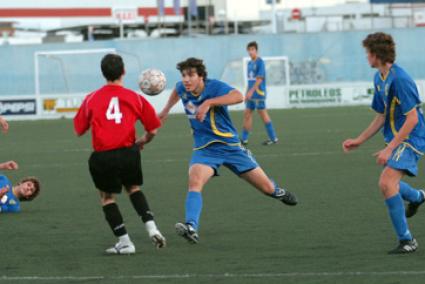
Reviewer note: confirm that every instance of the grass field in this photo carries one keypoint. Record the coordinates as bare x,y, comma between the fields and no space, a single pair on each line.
339,233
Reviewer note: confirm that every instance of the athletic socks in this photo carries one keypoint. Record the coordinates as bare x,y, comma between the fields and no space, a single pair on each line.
244,135
193,208
141,206
277,190
397,213
114,219
270,131
410,194
125,239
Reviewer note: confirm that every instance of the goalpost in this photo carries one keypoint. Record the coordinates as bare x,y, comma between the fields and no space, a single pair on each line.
277,79
60,56
277,70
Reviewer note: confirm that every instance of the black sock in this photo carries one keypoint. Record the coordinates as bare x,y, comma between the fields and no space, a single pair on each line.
114,218
141,206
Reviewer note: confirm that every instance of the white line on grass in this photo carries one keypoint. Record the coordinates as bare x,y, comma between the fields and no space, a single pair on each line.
218,275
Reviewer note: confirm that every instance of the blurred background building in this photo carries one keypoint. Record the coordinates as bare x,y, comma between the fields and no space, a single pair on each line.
52,48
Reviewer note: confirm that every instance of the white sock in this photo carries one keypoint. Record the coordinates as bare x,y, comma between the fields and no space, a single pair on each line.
124,239
151,227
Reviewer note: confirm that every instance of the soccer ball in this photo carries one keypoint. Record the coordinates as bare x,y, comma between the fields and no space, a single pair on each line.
152,82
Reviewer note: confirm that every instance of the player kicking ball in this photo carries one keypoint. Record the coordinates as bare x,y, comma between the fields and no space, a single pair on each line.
112,112
216,141
396,101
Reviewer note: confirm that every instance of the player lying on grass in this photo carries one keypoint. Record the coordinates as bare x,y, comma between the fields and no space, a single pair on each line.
112,112
216,141
11,196
396,101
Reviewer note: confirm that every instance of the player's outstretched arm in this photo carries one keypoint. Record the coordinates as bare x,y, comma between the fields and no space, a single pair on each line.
370,131
172,100
4,125
233,97
9,165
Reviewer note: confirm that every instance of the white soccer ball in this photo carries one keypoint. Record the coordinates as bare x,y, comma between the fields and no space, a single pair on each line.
152,82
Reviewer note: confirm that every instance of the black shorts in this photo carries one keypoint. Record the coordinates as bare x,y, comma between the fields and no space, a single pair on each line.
111,170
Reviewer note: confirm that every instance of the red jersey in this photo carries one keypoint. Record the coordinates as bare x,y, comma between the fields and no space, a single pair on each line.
112,112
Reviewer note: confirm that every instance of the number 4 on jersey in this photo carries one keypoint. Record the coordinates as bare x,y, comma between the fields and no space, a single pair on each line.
113,112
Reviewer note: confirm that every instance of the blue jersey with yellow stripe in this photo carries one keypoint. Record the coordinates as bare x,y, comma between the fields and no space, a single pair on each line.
217,126
9,202
395,96
257,69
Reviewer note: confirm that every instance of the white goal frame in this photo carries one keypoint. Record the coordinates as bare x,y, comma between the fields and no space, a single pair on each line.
268,58
52,54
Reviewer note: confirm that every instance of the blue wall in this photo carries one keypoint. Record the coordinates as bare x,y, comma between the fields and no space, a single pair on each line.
342,54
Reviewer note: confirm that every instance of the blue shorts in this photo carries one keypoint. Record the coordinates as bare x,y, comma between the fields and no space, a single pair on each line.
236,158
405,159
256,104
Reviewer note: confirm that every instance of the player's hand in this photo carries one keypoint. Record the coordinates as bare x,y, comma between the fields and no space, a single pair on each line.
3,191
9,165
163,115
4,125
350,144
383,156
249,95
141,143
202,111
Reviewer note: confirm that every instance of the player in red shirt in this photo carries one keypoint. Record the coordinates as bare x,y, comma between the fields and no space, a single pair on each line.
111,112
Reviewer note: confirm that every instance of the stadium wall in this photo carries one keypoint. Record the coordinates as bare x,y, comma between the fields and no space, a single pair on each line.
319,59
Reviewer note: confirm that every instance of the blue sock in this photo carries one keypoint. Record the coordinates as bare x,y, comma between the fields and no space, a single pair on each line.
410,194
396,210
245,135
277,189
193,208
270,131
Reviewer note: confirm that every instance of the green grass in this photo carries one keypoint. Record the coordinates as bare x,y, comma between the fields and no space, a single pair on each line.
339,228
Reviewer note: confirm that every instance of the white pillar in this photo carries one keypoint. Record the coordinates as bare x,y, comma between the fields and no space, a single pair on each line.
274,28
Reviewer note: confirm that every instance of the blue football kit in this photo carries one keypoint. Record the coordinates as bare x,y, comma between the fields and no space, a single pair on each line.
257,68
395,96
216,141
8,203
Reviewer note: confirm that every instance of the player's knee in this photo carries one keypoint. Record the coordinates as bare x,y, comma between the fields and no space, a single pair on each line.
382,184
264,115
106,198
385,185
132,189
195,184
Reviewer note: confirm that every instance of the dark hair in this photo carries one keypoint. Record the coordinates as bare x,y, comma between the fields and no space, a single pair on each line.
112,67
193,63
252,44
382,46
37,188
